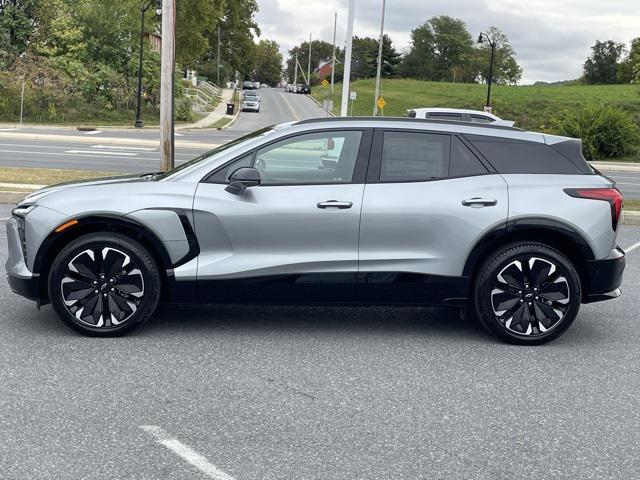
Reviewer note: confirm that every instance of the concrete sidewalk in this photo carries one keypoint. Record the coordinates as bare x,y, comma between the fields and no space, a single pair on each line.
617,166
216,115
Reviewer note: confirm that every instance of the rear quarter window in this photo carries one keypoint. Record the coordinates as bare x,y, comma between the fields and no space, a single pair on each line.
524,157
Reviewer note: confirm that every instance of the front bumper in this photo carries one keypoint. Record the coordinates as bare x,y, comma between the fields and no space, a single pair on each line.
21,280
250,107
604,277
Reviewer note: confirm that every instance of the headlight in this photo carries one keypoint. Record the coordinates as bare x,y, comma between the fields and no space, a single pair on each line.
21,211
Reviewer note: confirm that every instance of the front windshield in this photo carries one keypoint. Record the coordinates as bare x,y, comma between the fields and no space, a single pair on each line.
216,151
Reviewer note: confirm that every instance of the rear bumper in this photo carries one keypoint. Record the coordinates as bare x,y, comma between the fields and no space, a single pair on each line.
604,277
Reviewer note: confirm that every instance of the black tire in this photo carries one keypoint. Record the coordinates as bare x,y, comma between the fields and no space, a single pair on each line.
527,293
119,294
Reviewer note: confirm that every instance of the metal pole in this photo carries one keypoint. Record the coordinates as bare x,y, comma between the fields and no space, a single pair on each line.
218,56
347,61
309,64
493,46
22,102
295,70
139,123
333,58
167,72
379,71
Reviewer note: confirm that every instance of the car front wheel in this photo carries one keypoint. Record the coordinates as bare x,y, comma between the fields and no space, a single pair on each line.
527,293
104,284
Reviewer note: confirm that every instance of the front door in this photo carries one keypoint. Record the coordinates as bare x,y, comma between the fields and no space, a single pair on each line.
296,234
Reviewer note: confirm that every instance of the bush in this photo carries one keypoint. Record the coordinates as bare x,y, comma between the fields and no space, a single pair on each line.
184,110
606,132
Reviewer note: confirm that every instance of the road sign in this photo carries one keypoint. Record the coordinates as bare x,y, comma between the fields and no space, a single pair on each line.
325,83
353,95
381,102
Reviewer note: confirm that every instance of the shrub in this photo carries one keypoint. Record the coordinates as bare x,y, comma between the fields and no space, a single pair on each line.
606,132
184,109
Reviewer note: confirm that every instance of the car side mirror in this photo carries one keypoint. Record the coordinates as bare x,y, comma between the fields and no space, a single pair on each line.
242,179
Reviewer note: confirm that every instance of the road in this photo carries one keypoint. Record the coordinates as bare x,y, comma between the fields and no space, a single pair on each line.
319,393
277,107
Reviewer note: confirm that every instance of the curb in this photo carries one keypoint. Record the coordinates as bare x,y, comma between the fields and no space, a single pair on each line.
616,166
103,140
630,218
320,105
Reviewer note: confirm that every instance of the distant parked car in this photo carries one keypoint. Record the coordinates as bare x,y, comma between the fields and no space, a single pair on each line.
248,85
306,89
460,115
256,85
250,101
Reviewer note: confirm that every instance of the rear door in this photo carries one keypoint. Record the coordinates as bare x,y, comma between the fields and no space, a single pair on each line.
297,230
427,201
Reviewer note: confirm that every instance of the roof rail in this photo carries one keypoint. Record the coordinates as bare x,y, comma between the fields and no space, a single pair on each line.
404,119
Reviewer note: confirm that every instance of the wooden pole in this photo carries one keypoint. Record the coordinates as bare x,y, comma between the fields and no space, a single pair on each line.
167,72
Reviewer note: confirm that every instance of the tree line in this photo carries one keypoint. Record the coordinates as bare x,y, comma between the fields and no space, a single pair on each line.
83,54
441,49
612,62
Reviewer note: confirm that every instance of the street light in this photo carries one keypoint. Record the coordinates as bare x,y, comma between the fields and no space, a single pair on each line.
143,10
492,44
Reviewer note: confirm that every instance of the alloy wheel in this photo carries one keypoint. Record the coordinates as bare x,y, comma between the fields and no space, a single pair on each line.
530,296
102,287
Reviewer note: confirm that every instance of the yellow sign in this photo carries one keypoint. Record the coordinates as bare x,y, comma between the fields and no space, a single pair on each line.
381,102
325,83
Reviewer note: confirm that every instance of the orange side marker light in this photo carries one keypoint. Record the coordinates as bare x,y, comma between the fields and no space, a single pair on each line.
66,225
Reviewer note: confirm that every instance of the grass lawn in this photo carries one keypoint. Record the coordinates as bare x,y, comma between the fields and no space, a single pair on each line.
532,107
45,176
631,205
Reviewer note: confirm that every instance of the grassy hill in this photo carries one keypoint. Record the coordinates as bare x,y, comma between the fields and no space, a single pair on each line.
532,107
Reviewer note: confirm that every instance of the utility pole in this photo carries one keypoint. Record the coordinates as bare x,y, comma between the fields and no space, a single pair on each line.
309,64
295,71
333,58
379,72
347,61
218,57
167,73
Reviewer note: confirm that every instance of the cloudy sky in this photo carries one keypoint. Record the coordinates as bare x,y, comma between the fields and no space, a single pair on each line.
552,38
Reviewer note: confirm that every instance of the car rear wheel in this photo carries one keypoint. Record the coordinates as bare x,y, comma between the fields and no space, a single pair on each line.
527,293
104,284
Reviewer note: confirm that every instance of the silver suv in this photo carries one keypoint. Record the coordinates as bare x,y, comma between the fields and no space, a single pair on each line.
514,225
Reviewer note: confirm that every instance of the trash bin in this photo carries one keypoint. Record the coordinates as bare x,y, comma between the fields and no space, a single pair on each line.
230,107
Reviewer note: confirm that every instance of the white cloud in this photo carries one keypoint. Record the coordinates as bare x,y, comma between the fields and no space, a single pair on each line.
552,38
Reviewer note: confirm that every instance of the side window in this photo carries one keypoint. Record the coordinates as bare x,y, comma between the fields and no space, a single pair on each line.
481,119
222,175
524,157
323,157
463,161
414,156
446,116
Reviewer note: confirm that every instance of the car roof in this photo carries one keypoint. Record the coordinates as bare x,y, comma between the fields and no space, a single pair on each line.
450,126
454,110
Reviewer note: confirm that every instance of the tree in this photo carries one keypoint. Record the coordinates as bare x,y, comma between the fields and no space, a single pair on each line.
441,49
195,22
320,51
628,70
58,35
601,67
506,70
268,62
16,25
365,57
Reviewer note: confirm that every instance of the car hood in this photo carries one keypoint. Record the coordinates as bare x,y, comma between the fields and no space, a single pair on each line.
38,194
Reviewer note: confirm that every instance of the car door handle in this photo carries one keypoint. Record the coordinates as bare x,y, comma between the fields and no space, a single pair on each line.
335,204
479,202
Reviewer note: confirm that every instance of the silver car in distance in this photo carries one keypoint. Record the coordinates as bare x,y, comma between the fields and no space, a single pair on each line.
510,226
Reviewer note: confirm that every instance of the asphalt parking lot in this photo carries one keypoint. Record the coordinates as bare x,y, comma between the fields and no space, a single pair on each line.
242,392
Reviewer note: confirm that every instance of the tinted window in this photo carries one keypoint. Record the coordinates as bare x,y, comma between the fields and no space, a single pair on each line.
524,157
446,116
325,157
481,119
409,156
222,175
463,161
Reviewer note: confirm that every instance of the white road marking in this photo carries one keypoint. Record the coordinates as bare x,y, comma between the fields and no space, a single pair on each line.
632,248
7,129
3,219
119,154
95,132
114,147
295,115
186,452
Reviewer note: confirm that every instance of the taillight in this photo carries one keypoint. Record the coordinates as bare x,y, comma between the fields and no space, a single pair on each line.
611,195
